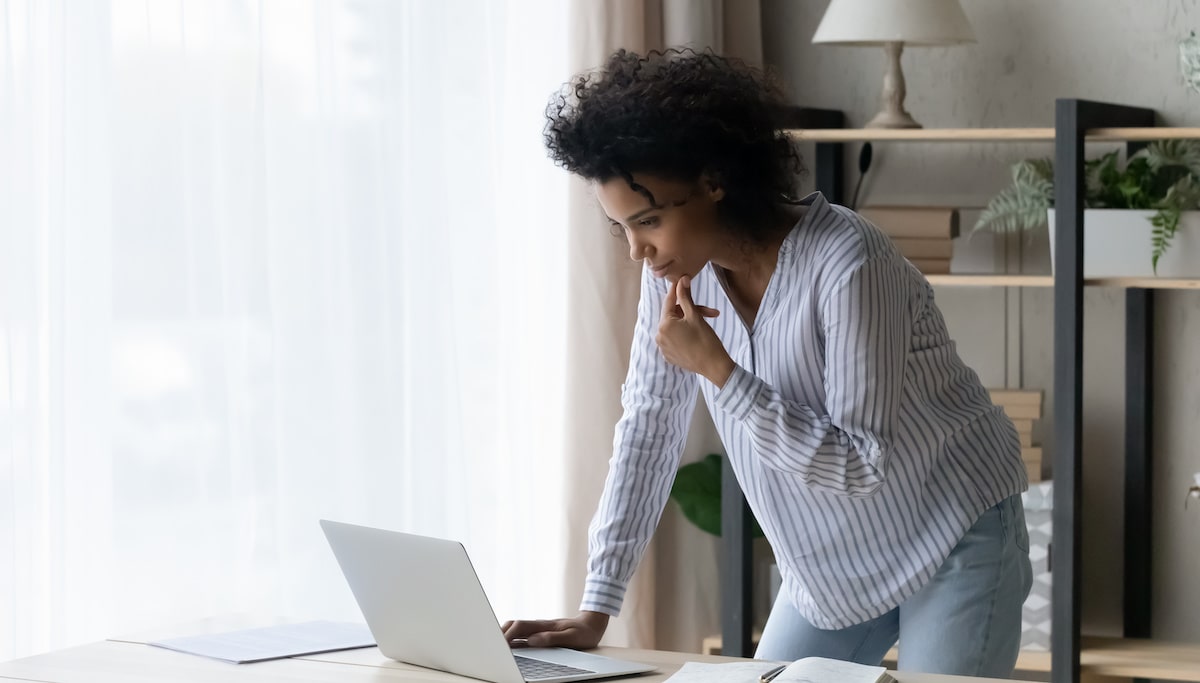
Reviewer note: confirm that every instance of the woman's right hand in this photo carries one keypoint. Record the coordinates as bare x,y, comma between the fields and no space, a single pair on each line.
580,633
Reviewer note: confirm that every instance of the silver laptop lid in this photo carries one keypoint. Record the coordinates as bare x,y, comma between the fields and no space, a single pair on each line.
423,601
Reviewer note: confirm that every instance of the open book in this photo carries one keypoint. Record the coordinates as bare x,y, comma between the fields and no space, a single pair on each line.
822,670
807,670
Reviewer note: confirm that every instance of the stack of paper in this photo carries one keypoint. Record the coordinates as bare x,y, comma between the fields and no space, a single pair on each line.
274,642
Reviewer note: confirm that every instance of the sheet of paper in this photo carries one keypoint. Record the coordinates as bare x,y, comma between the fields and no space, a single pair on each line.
734,672
274,642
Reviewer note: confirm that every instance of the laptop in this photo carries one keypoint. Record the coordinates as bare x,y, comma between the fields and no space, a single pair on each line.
425,606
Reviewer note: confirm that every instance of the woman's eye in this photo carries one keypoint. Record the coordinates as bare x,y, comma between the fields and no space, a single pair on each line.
649,222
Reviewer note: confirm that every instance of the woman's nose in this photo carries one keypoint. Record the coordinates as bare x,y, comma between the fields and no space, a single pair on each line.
638,249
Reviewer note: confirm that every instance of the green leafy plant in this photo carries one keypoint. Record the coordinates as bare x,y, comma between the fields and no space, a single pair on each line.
697,490
1163,177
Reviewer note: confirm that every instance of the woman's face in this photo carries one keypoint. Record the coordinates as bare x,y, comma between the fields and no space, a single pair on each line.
675,236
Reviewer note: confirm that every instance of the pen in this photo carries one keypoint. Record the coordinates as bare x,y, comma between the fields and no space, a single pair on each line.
770,675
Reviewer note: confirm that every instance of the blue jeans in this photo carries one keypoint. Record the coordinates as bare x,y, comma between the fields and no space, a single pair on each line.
965,621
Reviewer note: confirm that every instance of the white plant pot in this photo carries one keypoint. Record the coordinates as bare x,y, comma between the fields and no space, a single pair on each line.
1116,243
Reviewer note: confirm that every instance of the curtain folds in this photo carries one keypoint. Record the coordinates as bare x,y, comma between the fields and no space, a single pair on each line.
602,304
264,262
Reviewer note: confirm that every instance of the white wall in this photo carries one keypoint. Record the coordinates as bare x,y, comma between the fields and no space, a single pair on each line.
1030,52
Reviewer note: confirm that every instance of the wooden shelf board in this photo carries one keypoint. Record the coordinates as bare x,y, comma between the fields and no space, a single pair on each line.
983,134
922,134
1027,660
1140,658
1144,282
990,280
1121,134
1000,280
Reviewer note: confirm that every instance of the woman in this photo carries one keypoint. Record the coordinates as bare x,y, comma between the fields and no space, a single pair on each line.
887,483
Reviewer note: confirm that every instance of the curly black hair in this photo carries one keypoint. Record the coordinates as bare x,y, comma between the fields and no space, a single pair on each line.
680,114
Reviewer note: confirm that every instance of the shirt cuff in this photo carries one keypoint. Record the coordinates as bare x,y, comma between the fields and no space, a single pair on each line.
740,393
601,594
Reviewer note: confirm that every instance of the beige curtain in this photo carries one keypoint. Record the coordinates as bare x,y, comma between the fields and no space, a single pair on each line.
682,606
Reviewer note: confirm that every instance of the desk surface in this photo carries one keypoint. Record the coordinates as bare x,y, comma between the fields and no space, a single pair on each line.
131,660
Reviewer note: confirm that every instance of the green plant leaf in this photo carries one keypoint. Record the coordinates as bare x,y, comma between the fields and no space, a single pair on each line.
1035,170
1022,205
1183,195
1101,177
1183,154
697,490
1165,222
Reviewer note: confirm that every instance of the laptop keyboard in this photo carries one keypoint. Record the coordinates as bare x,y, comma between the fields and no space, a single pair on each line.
535,669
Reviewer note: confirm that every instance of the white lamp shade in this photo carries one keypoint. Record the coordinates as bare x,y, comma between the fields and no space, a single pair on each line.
913,22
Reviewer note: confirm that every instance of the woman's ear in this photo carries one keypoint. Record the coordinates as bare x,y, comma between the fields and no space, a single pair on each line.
712,187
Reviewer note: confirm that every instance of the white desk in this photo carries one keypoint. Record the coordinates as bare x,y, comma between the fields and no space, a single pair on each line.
130,660
125,662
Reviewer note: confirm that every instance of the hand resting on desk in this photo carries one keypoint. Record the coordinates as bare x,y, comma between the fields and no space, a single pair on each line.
580,633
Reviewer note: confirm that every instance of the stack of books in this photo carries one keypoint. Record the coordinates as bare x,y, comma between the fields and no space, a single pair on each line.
922,233
1023,406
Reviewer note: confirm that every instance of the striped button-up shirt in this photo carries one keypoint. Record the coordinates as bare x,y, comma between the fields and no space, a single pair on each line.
865,446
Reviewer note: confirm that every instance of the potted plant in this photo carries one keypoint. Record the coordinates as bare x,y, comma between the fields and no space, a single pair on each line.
1156,190
697,490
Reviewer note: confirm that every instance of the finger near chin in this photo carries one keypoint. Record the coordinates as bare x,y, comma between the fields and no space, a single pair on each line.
670,301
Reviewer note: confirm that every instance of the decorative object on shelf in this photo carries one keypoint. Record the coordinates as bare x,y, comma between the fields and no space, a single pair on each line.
1038,502
893,25
1162,179
1124,243
1194,490
697,490
1189,61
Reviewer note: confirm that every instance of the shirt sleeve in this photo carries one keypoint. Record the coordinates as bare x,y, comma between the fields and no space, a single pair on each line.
657,400
868,318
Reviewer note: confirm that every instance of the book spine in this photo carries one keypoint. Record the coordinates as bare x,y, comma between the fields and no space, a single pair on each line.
931,248
931,266
1033,471
914,221
1024,428
1016,396
1022,412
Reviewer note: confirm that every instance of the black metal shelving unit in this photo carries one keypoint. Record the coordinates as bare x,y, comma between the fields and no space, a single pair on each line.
1073,119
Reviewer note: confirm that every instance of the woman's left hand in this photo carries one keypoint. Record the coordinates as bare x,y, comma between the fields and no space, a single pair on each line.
687,340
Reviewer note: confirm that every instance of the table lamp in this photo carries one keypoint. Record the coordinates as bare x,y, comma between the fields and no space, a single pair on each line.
894,24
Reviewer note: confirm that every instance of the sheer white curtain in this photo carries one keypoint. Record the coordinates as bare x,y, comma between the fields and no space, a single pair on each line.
673,601
264,262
